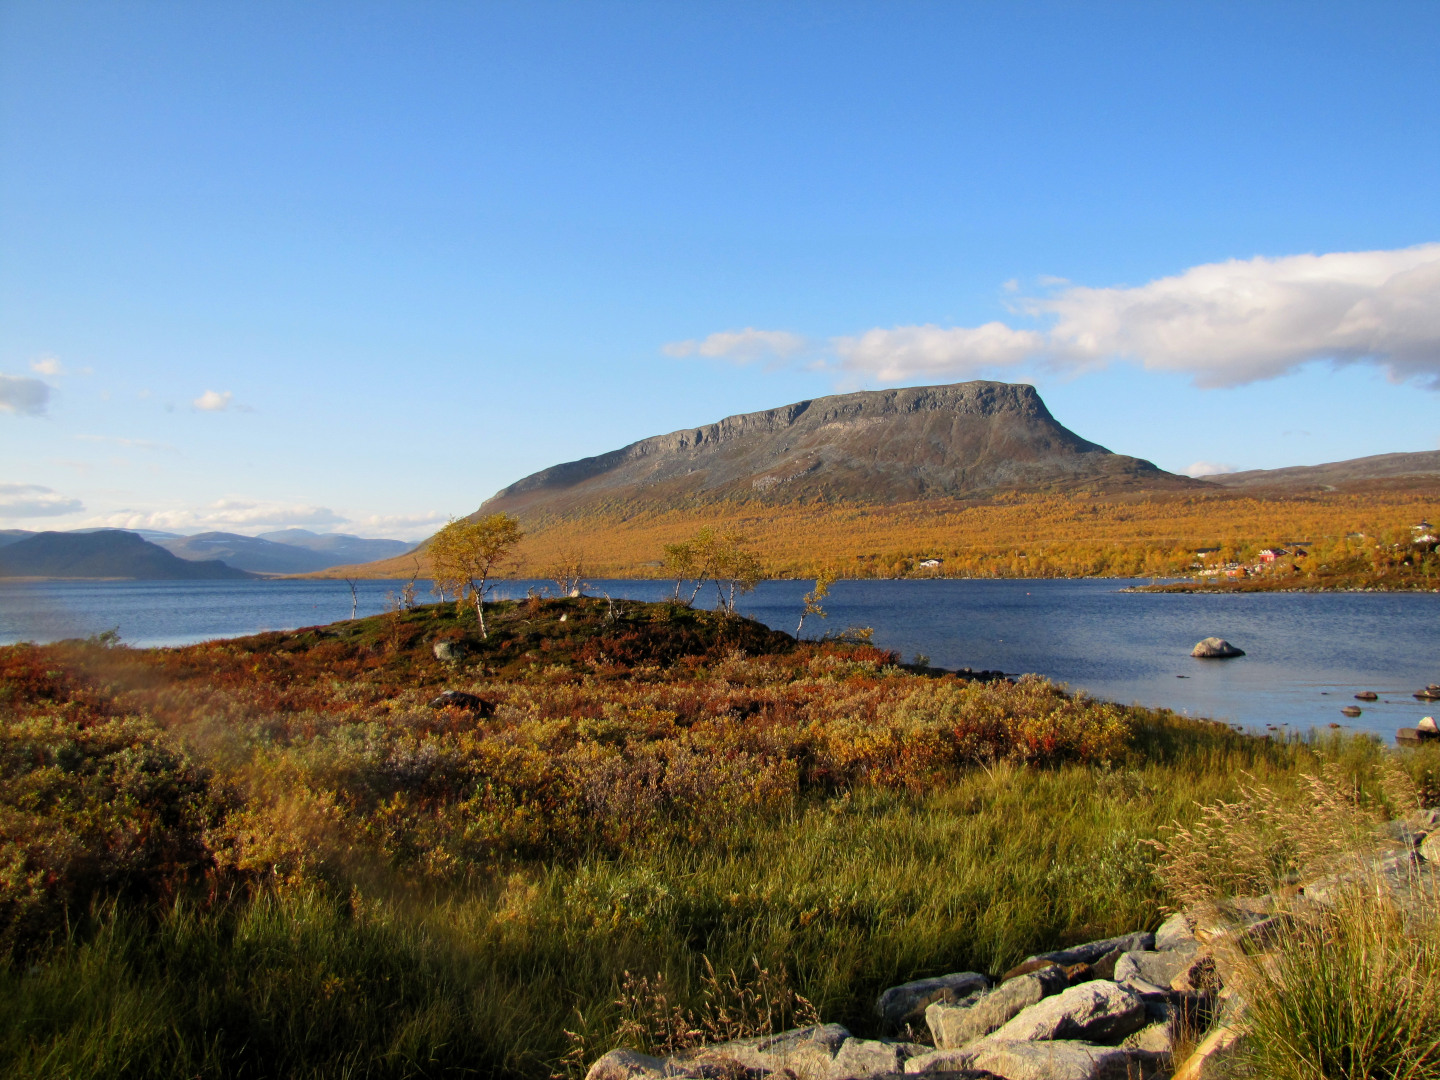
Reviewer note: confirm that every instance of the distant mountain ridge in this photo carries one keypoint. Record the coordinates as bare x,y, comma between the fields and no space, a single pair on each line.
882,446
299,552
1390,469
105,553
340,547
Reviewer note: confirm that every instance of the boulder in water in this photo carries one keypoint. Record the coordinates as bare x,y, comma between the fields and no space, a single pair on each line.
1214,648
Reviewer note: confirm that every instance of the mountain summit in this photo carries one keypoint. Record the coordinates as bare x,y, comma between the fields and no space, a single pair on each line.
883,446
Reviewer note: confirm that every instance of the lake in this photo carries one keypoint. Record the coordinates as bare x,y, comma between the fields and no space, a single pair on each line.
1307,653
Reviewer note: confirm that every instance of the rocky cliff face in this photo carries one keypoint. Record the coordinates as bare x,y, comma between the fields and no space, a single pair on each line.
875,446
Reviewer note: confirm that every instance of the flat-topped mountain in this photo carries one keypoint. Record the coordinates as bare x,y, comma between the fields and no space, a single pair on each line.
105,553
884,446
1388,470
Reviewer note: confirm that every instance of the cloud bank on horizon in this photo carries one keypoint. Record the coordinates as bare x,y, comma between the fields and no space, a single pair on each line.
18,501
1224,324
248,516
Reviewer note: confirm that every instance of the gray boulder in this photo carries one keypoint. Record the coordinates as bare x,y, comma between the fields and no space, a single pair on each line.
1157,1038
862,1059
1094,1011
1157,968
906,1004
975,1017
809,1053
941,1061
1174,933
1214,648
1066,1060
1092,951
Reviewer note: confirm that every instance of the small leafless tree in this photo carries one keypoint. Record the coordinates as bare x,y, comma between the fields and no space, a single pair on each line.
354,597
823,580
568,573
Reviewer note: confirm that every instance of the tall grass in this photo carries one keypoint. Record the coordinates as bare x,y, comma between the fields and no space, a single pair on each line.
1347,988
846,894
1351,993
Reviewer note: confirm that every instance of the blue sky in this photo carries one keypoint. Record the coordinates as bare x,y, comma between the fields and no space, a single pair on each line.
357,266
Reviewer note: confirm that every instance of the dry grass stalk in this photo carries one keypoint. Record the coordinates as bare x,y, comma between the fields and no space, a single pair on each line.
1266,838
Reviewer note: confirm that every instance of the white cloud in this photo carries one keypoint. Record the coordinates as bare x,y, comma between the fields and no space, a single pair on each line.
743,346
1210,468
905,351
213,401
1223,324
399,526
1241,321
47,365
223,515
23,395
32,500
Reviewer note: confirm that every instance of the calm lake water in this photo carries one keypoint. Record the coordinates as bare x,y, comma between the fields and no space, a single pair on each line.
1308,653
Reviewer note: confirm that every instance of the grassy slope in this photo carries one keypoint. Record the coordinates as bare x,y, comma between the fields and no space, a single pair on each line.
291,869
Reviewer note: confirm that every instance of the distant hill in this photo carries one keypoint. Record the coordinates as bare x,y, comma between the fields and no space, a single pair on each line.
339,548
879,447
106,553
1390,471
9,536
247,553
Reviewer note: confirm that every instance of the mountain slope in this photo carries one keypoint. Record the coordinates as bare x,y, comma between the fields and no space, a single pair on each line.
108,553
1390,470
871,447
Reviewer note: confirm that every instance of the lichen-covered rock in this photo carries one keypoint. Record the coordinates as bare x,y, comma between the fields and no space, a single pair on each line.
906,1004
1093,1011
1065,1060
976,1016
624,1064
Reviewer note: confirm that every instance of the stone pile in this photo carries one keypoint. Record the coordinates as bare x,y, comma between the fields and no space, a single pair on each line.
1105,1010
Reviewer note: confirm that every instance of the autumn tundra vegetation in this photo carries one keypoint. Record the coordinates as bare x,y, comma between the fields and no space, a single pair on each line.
288,856
1350,537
